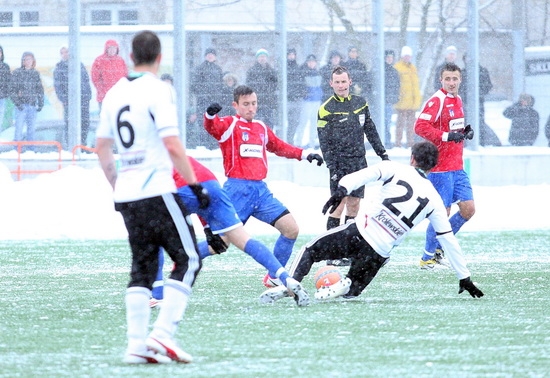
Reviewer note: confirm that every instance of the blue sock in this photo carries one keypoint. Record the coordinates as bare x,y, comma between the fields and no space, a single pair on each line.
264,257
203,249
158,285
457,221
283,249
431,243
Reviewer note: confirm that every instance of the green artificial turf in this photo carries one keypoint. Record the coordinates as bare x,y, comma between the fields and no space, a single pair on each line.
62,315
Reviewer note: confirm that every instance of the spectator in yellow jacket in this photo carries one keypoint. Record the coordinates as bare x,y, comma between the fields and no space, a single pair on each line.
410,98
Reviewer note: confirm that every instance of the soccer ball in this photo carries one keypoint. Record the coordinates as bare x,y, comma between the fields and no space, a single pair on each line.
326,276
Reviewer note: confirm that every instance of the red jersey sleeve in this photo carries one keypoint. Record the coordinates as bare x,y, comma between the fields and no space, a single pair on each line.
281,148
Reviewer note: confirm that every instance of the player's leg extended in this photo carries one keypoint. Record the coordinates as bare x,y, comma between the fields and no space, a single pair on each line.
258,251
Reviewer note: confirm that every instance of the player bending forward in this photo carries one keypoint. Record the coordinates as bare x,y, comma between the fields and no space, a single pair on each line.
406,198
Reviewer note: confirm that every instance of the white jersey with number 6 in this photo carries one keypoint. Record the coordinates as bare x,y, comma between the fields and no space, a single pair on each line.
137,113
407,197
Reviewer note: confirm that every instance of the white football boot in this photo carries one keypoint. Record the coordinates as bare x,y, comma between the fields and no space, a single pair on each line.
168,347
146,356
339,289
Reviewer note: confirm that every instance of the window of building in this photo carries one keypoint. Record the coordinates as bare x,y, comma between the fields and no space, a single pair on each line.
101,17
19,18
28,18
112,15
6,19
128,17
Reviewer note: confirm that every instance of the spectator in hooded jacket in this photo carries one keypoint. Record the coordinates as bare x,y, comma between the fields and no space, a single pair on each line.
5,77
525,121
263,78
207,86
107,69
410,98
27,94
61,86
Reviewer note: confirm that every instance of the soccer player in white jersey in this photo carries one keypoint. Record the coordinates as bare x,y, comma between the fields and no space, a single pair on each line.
406,197
139,115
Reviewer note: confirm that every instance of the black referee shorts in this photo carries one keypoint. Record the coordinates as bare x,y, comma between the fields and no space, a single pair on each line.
346,166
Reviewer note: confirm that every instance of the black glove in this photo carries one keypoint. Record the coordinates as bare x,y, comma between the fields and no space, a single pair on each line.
19,107
335,200
213,109
455,137
201,194
215,241
468,132
38,108
317,157
385,157
467,284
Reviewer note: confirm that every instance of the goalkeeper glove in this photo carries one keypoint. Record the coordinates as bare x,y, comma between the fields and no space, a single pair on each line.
468,285
202,195
317,157
334,201
215,241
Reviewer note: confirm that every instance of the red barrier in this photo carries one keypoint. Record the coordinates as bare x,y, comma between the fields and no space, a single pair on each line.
19,171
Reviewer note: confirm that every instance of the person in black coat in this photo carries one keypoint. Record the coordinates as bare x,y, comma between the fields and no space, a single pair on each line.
61,86
5,78
334,60
263,79
525,121
294,95
27,94
362,83
391,89
206,85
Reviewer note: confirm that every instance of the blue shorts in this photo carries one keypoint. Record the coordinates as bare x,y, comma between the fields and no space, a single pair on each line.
453,186
220,214
253,198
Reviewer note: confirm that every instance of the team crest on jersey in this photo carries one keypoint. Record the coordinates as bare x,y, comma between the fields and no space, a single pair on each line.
451,113
245,136
389,223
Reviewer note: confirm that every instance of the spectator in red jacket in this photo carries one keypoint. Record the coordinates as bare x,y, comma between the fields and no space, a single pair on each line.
107,69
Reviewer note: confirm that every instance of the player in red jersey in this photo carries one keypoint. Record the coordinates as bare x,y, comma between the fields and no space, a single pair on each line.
244,142
442,123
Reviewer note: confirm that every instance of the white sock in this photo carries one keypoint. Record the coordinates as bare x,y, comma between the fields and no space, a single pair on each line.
138,314
176,296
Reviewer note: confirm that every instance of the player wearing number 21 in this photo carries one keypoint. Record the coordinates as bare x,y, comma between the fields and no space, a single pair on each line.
406,197
139,114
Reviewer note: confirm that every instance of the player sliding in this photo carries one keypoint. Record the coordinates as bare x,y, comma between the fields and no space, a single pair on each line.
406,198
222,226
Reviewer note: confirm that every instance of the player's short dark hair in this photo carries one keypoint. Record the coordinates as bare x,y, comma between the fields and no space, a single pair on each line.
425,154
145,47
451,67
338,70
241,90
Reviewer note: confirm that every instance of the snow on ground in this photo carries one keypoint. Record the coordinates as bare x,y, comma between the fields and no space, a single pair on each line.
76,203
